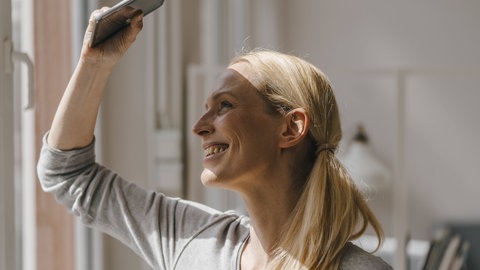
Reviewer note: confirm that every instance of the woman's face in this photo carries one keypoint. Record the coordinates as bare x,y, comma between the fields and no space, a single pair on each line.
239,131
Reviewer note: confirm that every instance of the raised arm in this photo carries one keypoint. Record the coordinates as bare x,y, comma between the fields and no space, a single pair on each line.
74,121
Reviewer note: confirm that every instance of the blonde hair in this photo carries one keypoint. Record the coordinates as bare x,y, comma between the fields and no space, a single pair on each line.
331,211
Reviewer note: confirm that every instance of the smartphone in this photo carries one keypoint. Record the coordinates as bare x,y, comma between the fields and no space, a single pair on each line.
117,17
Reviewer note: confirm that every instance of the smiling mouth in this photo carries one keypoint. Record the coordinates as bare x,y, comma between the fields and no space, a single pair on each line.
215,149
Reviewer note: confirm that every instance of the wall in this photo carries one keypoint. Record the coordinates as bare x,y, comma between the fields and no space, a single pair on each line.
375,33
437,43
426,39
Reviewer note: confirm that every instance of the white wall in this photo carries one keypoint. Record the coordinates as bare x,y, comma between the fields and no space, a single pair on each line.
368,35
437,42
375,33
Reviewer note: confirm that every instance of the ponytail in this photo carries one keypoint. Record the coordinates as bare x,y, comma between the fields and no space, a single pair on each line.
330,212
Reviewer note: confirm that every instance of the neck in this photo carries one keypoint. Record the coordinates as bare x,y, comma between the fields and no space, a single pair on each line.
270,210
270,199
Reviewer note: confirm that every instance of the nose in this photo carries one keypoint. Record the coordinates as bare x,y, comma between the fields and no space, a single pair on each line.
203,126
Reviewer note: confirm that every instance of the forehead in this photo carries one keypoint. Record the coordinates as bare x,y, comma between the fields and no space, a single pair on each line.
233,82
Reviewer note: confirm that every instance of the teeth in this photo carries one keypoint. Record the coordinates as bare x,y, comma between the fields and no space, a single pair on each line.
214,150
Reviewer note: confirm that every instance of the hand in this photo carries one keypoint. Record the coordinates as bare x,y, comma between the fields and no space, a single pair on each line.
108,52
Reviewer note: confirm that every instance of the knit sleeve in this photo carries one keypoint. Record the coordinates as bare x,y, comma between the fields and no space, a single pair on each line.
153,225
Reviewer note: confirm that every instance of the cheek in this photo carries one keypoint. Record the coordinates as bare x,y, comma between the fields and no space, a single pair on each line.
247,127
236,125
259,132
249,131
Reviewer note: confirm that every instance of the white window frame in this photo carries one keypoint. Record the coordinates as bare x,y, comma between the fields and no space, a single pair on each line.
7,220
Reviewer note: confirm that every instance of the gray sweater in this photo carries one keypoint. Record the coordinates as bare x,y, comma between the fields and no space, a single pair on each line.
168,233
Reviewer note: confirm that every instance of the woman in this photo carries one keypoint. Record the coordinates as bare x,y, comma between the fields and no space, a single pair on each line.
270,132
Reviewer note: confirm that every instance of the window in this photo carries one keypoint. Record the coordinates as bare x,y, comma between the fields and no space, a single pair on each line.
24,136
19,140
7,254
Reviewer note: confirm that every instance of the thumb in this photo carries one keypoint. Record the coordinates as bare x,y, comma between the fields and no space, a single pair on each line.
91,23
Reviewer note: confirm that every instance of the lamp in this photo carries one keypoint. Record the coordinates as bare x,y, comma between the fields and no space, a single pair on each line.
367,170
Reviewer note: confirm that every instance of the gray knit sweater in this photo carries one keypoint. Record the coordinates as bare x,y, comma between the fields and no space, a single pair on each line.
168,233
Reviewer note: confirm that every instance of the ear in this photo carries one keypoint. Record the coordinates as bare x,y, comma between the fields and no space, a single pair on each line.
295,129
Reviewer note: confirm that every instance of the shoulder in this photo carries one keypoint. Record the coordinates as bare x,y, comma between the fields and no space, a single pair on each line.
356,258
194,216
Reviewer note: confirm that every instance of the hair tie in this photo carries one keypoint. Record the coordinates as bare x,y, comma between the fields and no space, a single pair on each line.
325,147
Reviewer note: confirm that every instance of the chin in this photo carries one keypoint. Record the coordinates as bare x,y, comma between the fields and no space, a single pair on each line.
208,178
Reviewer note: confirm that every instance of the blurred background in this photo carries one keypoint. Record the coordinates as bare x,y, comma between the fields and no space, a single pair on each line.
406,75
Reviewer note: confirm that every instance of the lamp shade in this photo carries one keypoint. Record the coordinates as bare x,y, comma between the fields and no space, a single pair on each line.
367,170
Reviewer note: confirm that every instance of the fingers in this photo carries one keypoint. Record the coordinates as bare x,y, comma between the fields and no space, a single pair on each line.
113,47
136,25
91,23
95,14
115,21
130,12
127,36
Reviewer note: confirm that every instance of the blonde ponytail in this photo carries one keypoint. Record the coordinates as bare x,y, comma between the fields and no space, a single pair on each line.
330,213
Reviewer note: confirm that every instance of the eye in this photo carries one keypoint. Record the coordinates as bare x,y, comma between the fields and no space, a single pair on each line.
225,105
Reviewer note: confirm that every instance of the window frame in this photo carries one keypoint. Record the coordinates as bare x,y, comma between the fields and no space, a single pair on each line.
7,220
